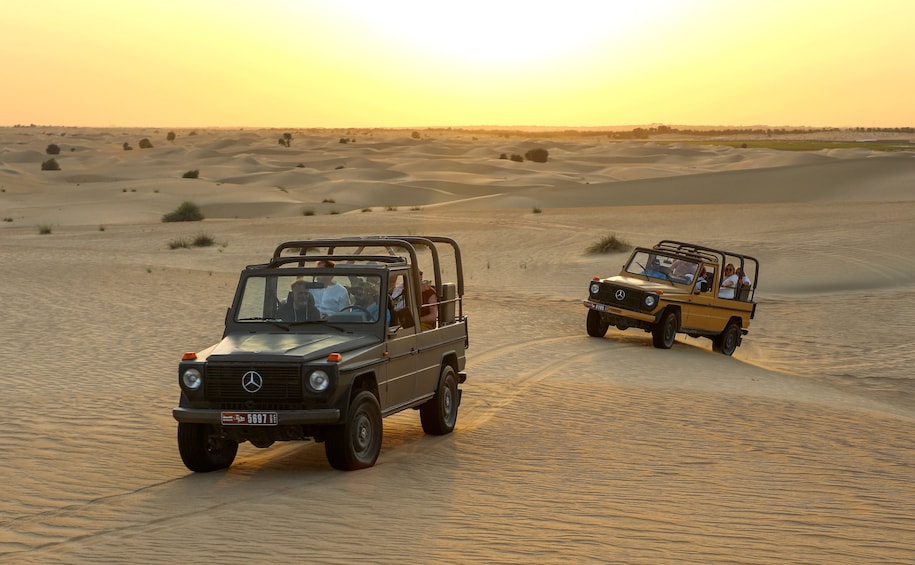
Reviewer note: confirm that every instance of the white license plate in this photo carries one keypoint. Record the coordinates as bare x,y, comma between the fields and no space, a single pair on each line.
249,419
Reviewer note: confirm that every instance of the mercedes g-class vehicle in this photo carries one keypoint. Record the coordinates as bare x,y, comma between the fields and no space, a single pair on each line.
324,340
676,287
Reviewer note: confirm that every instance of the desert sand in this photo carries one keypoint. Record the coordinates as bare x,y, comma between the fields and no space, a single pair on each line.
568,449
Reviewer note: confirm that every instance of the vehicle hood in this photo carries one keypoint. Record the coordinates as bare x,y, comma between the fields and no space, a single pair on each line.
648,285
289,344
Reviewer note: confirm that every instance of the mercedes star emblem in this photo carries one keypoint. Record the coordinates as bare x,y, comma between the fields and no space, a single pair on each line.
620,294
252,381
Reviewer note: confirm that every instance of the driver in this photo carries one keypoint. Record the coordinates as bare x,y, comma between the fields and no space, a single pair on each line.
300,305
654,269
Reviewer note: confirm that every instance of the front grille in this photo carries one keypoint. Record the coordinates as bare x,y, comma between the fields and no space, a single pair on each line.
281,386
632,299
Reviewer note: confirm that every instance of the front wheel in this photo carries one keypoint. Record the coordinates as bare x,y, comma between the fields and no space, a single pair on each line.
595,325
357,442
664,334
439,414
727,341
202,450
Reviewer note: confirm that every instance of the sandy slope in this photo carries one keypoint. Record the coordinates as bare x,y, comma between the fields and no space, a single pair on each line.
568,448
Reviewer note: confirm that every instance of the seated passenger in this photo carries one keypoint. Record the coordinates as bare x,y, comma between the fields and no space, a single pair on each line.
742,279
702,283
729,283
428,315
683,270
333,297
365,297
300,305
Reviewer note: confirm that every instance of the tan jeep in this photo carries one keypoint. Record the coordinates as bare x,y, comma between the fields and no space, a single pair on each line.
676,287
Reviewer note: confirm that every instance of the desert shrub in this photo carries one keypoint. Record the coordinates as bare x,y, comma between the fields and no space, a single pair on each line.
517,158
180,243
202,240
191,174
301,165
338,167
145,143
44,229
608,244
186,212
415,135
52,149
537,210
503,156
537,155
329,201
7,219
170,136
127,147
286,140
364,210
308,212
333,212
390,208
50,165
344,140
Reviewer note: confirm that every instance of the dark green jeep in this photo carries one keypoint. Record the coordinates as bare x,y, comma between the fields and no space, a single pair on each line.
323,341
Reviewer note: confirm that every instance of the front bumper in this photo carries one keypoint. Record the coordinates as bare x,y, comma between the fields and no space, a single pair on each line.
284,417
619,312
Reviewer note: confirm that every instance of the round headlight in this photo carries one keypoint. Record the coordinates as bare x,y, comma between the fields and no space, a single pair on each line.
318,381
650,300
595,288
191,379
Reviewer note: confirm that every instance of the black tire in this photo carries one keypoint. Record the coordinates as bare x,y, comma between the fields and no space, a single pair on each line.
664,334
727,341
203,451
439,415
357,443
596,326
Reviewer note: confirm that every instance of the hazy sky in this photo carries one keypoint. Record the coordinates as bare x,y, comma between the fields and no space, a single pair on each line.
400,63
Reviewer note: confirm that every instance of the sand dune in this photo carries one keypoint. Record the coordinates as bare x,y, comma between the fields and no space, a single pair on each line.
568,449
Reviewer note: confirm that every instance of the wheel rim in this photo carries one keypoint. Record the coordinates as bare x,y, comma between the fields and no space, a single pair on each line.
730,340
363,436
670,330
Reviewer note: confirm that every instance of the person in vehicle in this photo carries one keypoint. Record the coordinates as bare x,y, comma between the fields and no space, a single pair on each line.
654,269
742,279
428,315
300,304
365,296
702,282
684,270
729,283
333,297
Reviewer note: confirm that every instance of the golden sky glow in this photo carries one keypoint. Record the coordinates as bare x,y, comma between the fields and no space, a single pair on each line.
400,63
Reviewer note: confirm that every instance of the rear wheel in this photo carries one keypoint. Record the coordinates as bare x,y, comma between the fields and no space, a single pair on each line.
202,450
357,443
727,341
664,334
596,326
439,415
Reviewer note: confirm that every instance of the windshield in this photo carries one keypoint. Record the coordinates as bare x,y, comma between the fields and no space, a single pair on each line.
663,267
310,298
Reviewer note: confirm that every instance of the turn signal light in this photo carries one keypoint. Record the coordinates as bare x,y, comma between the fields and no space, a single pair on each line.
189,356
335,357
